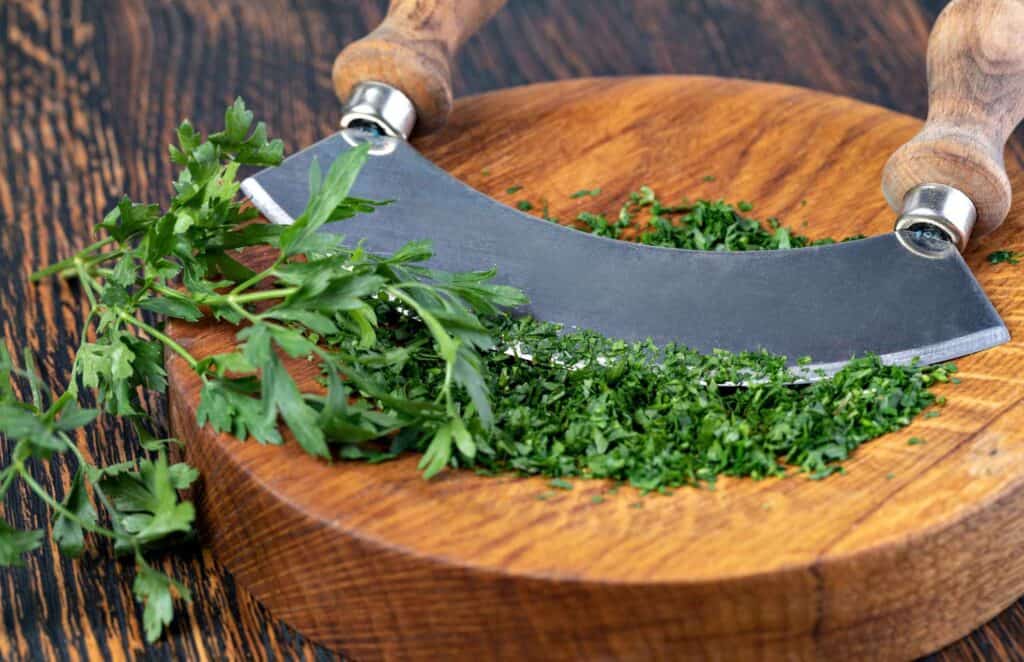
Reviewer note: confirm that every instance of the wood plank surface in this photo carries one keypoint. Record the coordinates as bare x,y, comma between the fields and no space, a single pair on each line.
90,92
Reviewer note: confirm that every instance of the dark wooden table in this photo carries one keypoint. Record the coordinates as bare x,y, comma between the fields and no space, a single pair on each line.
90,94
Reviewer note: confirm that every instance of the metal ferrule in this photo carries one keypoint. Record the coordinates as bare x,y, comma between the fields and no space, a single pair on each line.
381,105
939,207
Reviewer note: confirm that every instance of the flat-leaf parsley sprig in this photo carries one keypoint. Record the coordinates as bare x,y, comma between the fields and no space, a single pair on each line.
181,262
131,271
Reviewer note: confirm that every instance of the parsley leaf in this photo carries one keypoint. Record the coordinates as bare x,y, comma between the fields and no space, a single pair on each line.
146,500
67,531
14,544
155,591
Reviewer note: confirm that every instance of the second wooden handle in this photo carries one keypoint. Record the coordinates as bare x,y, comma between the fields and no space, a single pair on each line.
975,99
412,50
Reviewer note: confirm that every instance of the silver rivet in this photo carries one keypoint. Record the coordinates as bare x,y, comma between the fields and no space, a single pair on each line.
381,105
941,207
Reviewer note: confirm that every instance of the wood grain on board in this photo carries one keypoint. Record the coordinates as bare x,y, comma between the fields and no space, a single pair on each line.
90,93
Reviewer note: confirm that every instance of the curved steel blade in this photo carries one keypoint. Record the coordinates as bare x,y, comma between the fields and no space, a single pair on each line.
827,302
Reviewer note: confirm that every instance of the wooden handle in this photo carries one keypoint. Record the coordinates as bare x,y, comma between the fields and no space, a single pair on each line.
413,50
975,99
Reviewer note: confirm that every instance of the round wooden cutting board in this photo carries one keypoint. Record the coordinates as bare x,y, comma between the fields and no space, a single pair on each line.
911,549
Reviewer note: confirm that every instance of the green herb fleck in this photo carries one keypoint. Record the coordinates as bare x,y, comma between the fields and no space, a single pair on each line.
915,441
585,192
546,213
560,484
524,205
513,189
1012,257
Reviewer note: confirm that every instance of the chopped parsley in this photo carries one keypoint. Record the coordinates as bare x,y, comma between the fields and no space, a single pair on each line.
704,225
1012,257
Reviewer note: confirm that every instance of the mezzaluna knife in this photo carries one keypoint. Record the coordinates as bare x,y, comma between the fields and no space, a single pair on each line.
904,295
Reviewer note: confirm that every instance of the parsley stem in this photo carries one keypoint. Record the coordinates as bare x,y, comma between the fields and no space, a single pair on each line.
103,257
447,346
73,447
255,278
8,480
100,258
162,337
98,491
173,292
33,380
58,404
70,263
241,310
230,299
111,511
262,295
87,283
449,403
71,390
41,492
